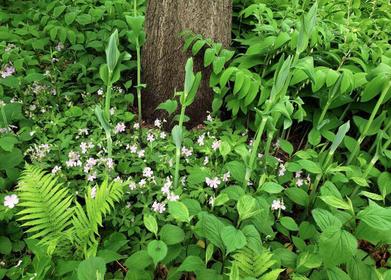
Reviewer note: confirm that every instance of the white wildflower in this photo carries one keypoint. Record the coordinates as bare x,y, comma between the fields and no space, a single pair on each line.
186,152
226,176
216,144
56,169
201,140
213,183
147,172
159,207
141,153
11,200
120,127
150,137
158,123
281,170
278,204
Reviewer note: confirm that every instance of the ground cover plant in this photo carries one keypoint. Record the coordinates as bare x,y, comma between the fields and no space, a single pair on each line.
287,177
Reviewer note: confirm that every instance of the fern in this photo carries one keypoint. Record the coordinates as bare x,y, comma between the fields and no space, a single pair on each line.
51,219
46,204
86,224
248,264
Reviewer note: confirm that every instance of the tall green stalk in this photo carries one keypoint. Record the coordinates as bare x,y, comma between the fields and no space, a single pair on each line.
192,83
138,87
4,116
108,98
179,147
363,135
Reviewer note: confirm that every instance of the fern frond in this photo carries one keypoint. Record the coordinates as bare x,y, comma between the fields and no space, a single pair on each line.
250,264
46,205
86,223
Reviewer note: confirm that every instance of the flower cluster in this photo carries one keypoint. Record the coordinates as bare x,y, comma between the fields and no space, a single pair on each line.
38,152
73,159
278,204
8,71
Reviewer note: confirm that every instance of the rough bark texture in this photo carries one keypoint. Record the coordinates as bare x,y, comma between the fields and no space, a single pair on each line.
163,60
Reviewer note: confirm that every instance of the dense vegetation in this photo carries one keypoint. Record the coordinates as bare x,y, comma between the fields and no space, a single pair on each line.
288,178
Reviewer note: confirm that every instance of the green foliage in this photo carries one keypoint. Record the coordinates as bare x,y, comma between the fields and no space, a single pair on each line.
294,157
248,263
51,219
47,203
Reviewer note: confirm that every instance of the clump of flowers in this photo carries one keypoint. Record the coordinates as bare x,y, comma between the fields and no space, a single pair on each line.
159,207
213,183
216,145
166,190
278,204
8,71
120,127
86,146
73,159
56,169
38,152
281,170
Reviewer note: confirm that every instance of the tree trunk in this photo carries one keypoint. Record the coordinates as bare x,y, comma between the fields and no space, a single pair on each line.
163,59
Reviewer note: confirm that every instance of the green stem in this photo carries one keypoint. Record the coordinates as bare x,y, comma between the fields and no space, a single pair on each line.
254,151
108,99
178,149
270,136
369,123
376,158
109,144
317,181
324,111
4,117
139,89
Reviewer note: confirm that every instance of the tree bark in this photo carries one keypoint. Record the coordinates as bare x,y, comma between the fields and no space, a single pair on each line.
163,59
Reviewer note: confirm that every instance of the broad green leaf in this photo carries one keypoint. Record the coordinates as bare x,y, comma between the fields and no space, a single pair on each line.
227,75
297,195
335,202
310,166
7,143
171,234
209,57
92,268
335,273
197,46
191,264
340,136
324,219
102,119
289,223
189,75
337,246
178,211
383,182
210,227
5,245
247,207
376,217
112,52
271,187
170,106
374,87
233,239
138,261
157,250
272,275
150,223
